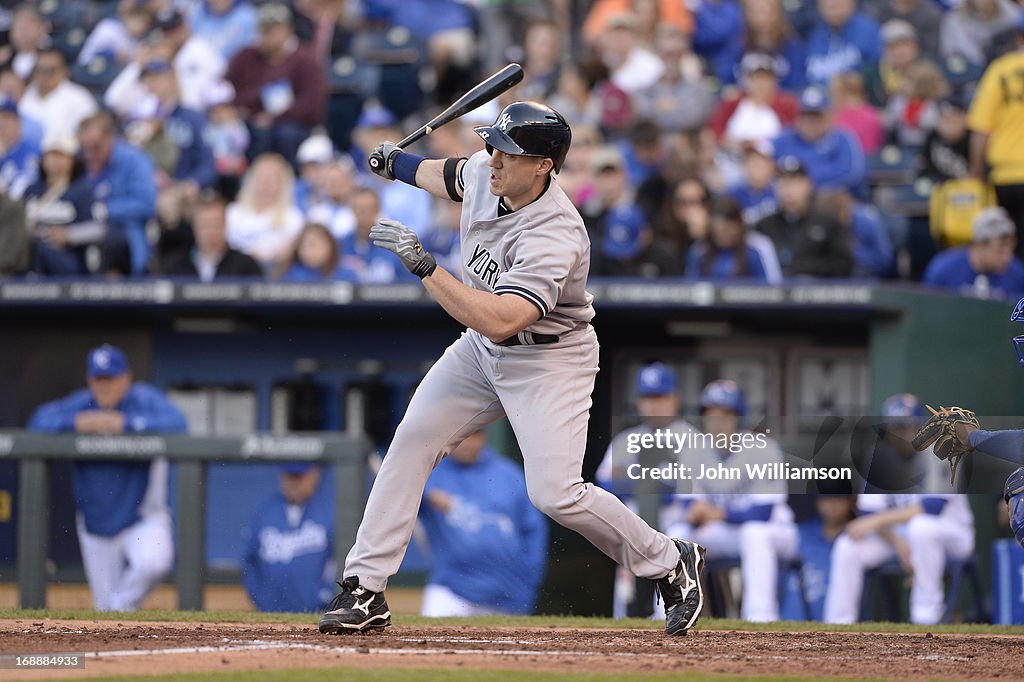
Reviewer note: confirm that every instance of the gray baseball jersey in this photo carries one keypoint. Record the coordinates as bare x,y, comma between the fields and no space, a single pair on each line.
542,253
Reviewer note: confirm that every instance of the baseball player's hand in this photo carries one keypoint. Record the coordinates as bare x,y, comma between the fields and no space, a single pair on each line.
403,242
440,501
947,431
382,159
99,422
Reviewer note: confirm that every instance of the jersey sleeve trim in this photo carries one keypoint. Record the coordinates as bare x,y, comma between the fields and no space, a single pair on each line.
524,293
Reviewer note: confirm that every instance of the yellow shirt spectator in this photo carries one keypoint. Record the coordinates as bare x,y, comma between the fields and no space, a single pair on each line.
998,111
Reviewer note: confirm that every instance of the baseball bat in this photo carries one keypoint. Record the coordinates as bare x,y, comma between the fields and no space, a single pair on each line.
481,93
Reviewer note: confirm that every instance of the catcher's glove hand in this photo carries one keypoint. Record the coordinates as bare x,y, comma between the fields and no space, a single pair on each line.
948,429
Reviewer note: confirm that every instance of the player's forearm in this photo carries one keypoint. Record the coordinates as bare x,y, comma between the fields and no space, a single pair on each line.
979,146
430,176
1008,445
496,317
894,517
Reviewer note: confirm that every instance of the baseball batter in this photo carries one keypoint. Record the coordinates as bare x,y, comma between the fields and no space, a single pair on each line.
529,353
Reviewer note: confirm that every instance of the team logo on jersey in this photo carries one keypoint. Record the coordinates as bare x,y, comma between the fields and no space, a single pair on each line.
504,121
483,266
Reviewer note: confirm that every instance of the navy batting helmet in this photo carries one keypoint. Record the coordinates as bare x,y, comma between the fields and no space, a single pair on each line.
529,129
1013,493
724,393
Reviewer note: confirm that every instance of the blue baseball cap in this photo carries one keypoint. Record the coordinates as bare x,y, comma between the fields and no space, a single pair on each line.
903,409
655,379
9,105
297,468
724,393
814,100
376,116
155,66
106,361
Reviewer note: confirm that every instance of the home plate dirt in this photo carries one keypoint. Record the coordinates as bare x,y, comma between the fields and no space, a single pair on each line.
122,648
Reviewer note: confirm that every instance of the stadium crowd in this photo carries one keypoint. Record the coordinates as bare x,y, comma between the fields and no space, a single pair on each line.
713,139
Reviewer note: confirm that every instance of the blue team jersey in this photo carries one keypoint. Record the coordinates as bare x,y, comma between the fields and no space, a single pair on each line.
835,161
108,494
816,554
288,563
952,269
19,167
491,547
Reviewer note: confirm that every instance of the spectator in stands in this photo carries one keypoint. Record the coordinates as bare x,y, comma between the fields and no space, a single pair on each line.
226,134
767,31
807,243
118,38
922,532
844,39
228,25
631,65
288,561
604,12
442,240
372,265
925,15
725,254
509,23
197,65
52,99
895,464
400,201
832,157
914,112
312,157
575,177
716,23
542,59
280,86
755,194
12,87
124,524
332,207
970,30
29,34
211,258
123,182
852,112
264,221
888,77
757,113
685,217
189,166
660,101
315,258
14,238
996,120
619,231
946,152
59,213
987,266
19,157
873,255
488,542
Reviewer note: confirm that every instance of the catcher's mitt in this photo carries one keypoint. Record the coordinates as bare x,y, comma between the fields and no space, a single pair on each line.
948,429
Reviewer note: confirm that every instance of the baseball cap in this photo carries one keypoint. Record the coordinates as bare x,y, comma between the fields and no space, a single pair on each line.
273,14
169,20
791,165
221,92
316,148
814,100
757,61
8,105
655,379
951,103
155,66
296,468
376,116
106,361
897,29
66,144
902,405
625,20
992,223
763,147
606,158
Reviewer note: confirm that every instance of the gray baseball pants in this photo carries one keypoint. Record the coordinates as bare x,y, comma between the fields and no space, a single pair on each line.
545,392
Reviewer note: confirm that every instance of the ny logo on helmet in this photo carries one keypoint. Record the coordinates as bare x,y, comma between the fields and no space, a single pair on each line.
504,121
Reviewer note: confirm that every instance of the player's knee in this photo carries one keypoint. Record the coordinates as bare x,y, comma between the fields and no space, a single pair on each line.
923,528
553,500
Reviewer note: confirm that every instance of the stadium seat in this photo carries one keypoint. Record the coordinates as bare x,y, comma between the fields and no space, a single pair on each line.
961,73
350,82
70,42
96,75
890,577
892,165
398,56
909,200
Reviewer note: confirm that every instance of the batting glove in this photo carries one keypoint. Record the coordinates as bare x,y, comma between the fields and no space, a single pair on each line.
403,242
382,159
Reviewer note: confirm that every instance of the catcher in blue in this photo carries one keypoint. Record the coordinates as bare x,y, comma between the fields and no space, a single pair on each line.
955,432
529,353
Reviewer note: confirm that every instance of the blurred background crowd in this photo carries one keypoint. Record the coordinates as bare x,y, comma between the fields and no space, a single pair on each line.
756,140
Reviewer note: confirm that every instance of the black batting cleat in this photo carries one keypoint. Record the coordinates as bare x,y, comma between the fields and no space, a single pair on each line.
355,609
681,589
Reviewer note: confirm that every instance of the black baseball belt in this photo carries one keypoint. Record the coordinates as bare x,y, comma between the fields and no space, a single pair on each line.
529,339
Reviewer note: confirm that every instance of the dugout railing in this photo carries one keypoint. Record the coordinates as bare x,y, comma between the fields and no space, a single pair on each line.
191,456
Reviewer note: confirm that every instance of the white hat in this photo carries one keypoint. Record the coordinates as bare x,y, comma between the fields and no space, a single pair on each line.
219,93
317,148
66,144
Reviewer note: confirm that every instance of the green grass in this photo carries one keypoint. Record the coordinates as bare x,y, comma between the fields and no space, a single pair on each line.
503,621
435,675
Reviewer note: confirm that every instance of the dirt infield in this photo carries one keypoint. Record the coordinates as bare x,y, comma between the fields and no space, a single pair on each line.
121,648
